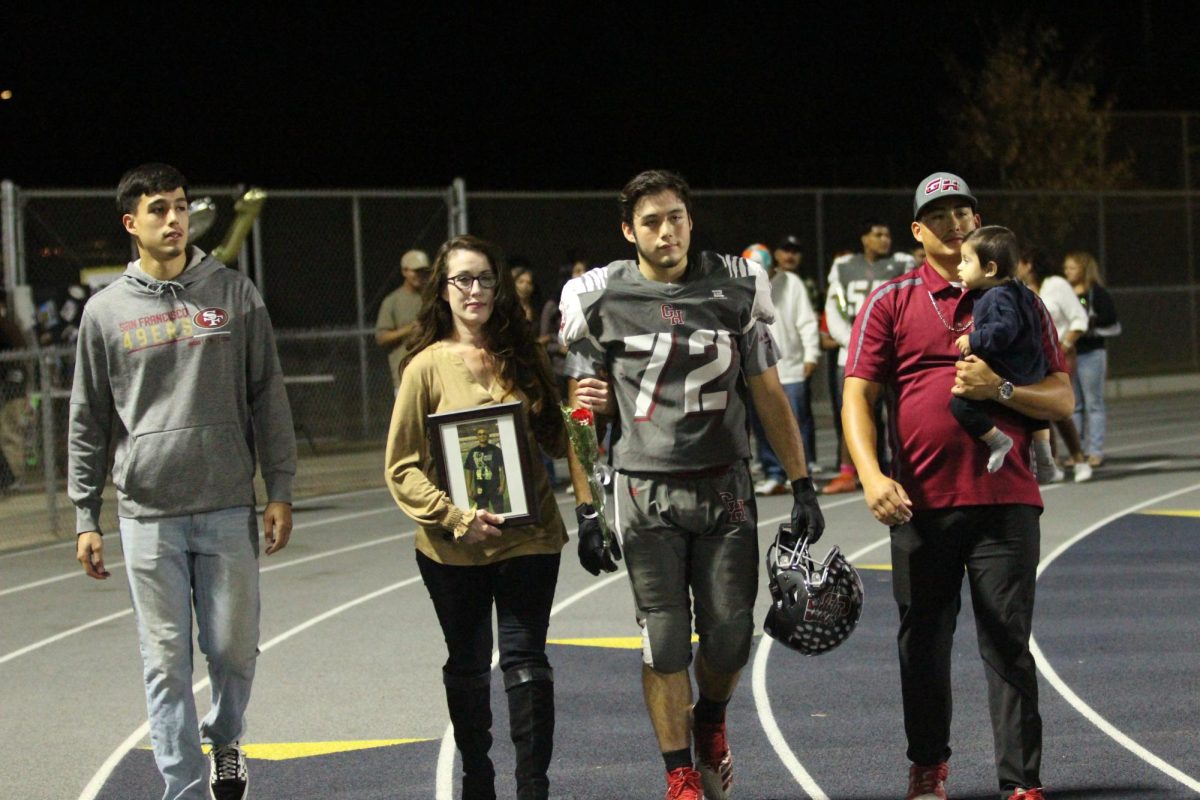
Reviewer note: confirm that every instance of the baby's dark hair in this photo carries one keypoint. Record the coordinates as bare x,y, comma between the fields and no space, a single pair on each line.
996,243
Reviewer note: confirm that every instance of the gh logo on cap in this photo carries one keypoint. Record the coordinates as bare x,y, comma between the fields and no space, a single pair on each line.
941,185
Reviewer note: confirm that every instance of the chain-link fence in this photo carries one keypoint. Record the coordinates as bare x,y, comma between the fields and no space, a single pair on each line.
324,261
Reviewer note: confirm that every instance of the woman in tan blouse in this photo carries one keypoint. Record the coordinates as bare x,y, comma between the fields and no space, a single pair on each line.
474,348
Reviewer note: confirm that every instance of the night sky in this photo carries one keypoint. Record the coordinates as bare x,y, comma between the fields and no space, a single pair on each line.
555,96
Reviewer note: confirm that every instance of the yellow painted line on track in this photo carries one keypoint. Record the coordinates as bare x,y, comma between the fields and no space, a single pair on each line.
882,567
614,642
286,751
1173,513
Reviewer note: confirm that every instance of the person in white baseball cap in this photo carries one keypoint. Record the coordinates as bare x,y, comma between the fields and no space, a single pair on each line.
397,317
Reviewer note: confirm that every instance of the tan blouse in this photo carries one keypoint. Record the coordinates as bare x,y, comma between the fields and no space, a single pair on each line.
437,380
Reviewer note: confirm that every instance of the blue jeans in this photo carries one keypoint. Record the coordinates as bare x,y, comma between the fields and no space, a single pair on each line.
1088,382
209,560
797,395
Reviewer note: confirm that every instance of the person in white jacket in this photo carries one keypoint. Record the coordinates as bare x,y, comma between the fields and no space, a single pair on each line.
1070,322
795,332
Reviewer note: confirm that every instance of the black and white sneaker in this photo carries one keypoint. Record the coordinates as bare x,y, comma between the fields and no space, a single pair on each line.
227,773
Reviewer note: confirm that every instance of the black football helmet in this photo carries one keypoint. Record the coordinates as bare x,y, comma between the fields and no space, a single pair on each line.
814,606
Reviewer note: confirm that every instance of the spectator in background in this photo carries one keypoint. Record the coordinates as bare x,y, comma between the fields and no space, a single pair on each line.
527,293
14,403
795,332
397,318
833,373
1091,359
1070,321
851,279
788,256
550,319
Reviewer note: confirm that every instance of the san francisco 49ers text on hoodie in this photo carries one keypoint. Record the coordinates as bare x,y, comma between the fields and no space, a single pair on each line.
183,378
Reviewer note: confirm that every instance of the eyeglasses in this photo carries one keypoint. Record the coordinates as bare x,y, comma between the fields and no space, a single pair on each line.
487,280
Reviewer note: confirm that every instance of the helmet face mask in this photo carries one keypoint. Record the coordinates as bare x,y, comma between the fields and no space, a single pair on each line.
815,606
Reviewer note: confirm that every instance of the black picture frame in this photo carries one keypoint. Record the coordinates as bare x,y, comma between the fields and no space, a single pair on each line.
495,473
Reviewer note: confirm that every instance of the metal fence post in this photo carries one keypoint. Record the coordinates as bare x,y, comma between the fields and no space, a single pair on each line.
8,209
1190,242
819,220
49,463
260,275
361,313
458,208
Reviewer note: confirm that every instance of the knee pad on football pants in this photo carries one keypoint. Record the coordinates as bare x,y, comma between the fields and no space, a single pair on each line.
726,646
667,640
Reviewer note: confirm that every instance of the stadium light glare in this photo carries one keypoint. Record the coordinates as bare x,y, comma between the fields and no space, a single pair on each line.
6,94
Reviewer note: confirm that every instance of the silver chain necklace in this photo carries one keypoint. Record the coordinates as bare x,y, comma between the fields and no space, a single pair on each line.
952,328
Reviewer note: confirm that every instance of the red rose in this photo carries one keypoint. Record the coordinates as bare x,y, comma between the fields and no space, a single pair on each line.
583,416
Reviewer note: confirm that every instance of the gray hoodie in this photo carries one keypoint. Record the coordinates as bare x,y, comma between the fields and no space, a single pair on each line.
182,377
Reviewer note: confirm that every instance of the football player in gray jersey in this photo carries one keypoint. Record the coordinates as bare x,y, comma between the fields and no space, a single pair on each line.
681,341
851,278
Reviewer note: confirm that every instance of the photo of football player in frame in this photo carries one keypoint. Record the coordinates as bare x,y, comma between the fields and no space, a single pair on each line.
483,460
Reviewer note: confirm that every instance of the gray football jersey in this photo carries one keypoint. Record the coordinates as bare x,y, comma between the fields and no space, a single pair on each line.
676,355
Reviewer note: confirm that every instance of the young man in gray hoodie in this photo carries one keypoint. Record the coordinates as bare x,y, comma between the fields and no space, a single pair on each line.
177,372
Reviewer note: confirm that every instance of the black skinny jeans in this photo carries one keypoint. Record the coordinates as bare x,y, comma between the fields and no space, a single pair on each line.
522,589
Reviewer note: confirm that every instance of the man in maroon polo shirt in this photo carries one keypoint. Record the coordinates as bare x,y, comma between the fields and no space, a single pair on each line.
946,513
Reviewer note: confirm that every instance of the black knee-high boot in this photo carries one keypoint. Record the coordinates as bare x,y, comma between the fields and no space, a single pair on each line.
470,701
530,693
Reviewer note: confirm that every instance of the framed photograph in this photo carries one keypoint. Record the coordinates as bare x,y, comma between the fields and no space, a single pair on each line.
483,460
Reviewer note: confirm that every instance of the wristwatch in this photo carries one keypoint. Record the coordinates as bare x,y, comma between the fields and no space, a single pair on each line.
1006,390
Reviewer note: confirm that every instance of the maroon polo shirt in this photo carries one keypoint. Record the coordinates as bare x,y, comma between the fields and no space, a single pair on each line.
904,338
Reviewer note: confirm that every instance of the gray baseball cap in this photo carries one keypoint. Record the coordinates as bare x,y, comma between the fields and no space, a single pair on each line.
937,186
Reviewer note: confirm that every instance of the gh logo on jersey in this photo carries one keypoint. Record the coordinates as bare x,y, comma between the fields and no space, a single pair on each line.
736,507
211,318
672,314
941,185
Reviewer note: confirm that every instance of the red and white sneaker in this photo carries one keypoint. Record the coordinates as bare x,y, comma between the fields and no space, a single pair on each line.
713,759
1027,794
683,783
927,782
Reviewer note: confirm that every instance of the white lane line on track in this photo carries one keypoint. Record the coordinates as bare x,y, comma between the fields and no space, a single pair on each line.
63,635
779,743
271,568
79,573
444,781
33,550
766,716
1073,699
97,782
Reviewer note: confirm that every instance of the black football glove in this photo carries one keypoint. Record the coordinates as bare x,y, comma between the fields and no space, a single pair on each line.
593,555
807,520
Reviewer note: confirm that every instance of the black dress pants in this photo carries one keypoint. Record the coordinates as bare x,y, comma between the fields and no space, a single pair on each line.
997,547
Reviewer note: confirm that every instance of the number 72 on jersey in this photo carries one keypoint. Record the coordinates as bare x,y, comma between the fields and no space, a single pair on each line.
671,362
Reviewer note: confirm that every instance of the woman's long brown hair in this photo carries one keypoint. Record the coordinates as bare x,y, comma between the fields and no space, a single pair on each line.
509,338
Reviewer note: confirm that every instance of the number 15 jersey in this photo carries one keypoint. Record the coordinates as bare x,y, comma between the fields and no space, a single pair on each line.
675,355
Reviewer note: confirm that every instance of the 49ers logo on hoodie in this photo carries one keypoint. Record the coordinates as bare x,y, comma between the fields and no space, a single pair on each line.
211,318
